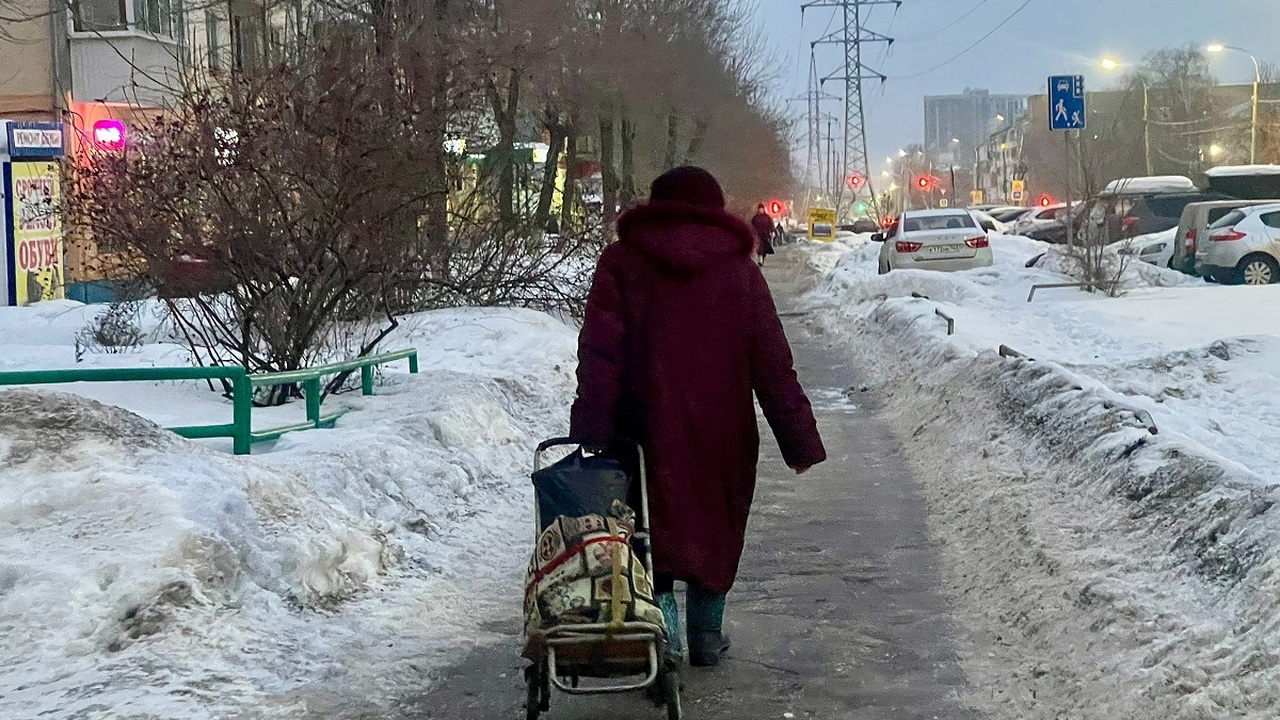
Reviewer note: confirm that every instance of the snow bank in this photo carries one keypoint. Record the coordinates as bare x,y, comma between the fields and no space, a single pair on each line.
1097,570
1154,184
142,575
1242,170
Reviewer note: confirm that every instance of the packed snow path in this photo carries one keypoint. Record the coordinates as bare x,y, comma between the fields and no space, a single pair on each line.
835,614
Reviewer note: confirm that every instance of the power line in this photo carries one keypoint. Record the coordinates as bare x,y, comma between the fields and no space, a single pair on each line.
965,51
948,26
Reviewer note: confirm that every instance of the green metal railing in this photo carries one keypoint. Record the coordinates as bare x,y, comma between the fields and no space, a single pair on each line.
240,430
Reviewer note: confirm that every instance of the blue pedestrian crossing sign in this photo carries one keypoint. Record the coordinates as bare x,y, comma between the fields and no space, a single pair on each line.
1066,102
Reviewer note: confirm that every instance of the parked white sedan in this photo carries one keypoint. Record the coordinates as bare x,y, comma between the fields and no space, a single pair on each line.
934,240
1039,218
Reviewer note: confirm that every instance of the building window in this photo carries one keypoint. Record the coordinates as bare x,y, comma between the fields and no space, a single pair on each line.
246,51
214,40
158,17
99,15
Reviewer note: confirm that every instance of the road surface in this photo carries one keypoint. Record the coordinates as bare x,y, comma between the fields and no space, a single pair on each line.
835,614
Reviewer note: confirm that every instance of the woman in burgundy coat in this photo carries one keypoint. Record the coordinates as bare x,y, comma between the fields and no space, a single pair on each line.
680,331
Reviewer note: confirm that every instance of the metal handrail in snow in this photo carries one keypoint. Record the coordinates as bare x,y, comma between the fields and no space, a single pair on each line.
240,429
1090,286
951,322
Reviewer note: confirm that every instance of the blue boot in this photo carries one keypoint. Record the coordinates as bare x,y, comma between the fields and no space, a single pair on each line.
705,613
671,616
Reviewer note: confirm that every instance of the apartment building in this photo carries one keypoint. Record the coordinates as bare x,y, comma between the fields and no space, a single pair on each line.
97,67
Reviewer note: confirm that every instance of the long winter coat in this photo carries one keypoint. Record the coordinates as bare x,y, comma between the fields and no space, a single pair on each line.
763,226
680,330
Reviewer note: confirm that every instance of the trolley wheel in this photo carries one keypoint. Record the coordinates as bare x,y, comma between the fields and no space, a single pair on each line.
532,702
538,692
671,687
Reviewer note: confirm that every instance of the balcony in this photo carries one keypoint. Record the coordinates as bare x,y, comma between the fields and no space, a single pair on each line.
125,51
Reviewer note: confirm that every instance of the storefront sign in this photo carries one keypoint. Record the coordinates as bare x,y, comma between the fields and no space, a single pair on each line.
35,140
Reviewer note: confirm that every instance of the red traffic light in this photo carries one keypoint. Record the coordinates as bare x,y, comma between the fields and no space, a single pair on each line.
1045,201
924,182
775,207
856,180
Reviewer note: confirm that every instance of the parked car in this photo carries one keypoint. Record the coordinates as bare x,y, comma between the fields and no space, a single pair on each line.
1194,225
1037,217
861,226
1249,182
1056,232
988,223
934,240
1140,206
1153,249
1156,213
1243,247
1009,216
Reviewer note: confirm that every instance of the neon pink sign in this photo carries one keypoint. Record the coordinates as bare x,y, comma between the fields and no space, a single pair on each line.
109,135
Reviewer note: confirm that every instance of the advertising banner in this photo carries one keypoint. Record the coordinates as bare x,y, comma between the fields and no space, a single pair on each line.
34,227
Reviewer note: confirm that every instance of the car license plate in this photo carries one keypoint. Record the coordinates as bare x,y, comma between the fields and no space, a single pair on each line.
943,249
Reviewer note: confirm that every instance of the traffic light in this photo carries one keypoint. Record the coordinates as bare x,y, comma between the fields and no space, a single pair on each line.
856,180
1044,201
924,182
860,208
775,208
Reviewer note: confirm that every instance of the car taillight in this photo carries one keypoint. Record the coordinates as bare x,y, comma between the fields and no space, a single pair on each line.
1191,242
978,243
1128,223
1227,235
908,247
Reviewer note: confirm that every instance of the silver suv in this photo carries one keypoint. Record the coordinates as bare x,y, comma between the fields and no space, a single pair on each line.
1243,247
1193,228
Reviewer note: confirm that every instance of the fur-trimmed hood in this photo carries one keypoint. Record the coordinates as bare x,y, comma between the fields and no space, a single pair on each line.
685,238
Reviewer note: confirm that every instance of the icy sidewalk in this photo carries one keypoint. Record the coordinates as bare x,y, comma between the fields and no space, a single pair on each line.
1098,570
142,575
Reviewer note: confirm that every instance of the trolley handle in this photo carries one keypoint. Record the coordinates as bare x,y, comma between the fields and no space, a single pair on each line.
546,445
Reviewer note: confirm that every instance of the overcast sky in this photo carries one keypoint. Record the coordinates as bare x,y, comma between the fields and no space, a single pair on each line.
1034,44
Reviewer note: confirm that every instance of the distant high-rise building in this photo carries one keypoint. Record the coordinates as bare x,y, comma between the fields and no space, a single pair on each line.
967,118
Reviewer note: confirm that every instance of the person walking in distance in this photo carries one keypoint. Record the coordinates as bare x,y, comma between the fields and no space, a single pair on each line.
680,332
763,226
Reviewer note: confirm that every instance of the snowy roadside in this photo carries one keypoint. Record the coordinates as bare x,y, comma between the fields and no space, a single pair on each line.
142,575
1102,570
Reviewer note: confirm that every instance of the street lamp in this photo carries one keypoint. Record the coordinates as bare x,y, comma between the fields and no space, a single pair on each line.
1216,48
1215,151
1111,64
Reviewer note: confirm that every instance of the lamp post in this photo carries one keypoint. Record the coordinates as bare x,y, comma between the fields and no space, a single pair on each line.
1257,80
1109,65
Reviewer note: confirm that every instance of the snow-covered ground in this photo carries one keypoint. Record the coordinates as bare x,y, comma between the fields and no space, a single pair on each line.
1115,572
146,576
